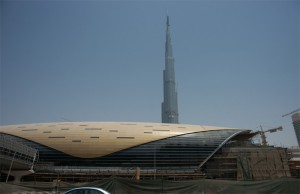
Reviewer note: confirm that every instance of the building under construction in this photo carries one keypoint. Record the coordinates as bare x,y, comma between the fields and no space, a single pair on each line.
294,161
93,151
247,161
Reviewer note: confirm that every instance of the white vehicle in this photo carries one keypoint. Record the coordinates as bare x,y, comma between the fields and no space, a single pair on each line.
87,190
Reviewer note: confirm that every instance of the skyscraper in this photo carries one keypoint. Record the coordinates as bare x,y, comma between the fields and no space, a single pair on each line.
169,105
296,124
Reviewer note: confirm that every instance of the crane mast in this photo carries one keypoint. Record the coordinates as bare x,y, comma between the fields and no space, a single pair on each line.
263,134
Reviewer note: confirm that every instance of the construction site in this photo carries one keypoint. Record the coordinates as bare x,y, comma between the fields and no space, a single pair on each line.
239,167
239,159
229,162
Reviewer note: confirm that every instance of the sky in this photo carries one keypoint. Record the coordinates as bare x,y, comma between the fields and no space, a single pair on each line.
237,62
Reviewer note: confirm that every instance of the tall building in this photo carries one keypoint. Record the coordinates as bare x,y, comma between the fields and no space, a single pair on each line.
169,105
296,124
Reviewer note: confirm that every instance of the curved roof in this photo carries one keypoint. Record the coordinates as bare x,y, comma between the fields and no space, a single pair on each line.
96,139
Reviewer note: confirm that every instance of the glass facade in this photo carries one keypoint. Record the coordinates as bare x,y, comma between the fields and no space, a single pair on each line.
185,152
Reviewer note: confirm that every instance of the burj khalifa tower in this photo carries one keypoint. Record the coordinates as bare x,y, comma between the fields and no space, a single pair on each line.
169,105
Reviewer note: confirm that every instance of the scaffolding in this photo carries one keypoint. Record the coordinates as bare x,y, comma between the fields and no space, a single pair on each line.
249,162
294,161
16,153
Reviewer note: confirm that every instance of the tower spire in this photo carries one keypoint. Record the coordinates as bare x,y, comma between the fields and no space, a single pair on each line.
168,24
169,105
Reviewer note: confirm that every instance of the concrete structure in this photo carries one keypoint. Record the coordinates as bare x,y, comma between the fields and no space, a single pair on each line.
248,161
294,161
16,159
296,124
169,105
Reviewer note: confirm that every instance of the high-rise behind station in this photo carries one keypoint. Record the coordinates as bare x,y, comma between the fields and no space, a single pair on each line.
169,105
296,124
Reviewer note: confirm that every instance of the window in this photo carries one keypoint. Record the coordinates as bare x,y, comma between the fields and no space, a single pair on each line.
29,129
93,129
125,137
57,137
127,124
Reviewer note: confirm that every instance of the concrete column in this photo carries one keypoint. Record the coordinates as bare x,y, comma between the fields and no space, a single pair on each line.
18,174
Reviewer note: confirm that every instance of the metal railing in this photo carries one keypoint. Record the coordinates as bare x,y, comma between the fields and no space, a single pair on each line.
12,150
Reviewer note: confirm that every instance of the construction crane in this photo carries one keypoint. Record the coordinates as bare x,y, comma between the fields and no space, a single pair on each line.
291,112
263,134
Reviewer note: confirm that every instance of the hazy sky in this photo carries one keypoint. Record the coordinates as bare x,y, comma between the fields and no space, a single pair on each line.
237,62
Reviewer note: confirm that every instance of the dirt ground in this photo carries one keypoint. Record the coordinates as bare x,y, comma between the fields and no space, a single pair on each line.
15,189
